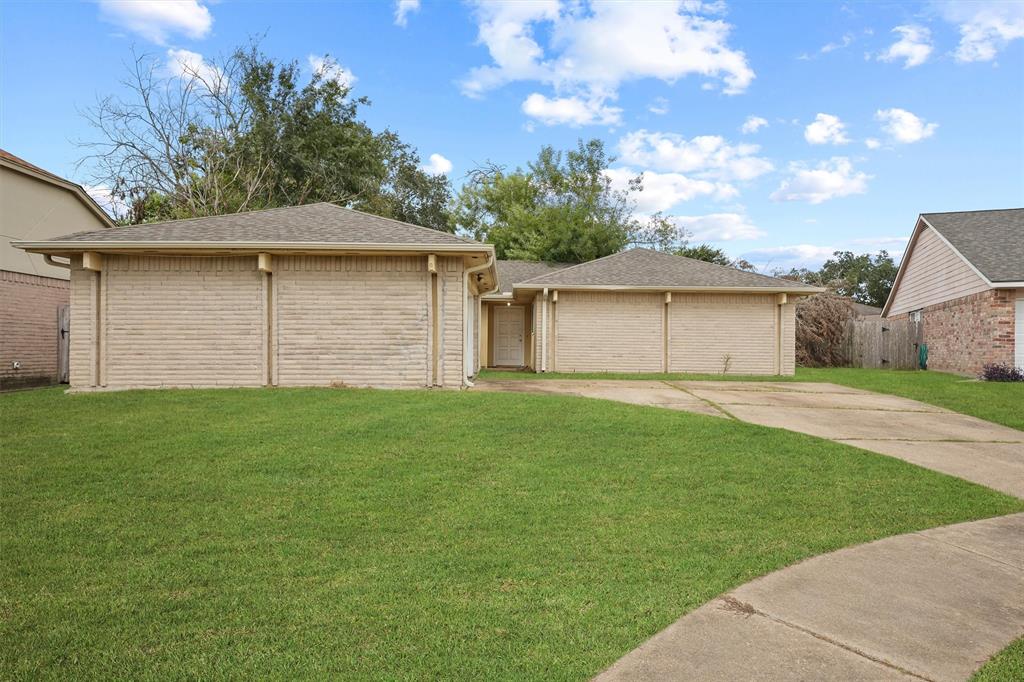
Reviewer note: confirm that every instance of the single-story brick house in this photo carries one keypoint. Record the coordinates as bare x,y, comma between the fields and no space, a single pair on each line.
34,294
324,295
962,279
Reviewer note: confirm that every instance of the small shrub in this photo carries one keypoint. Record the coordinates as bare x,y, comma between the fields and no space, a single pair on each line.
997,372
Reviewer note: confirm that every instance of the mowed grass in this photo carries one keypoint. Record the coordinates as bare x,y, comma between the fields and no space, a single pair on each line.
1006,666
403,535
999,402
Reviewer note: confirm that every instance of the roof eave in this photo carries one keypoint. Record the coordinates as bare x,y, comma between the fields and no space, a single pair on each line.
710,288
63,247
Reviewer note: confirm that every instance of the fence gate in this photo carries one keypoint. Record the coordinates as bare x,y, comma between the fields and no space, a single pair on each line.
63,342
882,343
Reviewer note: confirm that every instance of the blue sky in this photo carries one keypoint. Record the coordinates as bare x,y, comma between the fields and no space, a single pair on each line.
778,131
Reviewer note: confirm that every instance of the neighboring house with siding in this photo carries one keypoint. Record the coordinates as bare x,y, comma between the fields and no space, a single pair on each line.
34,205
962,278
324,295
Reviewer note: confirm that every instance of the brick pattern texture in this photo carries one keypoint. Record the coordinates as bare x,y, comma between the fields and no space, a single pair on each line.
186,321
28,328
969,332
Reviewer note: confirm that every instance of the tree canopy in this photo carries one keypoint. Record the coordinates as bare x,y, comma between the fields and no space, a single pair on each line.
245,133
562,207
866,278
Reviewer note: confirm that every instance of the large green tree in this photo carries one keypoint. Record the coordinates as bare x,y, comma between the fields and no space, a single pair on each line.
866,278
250,132
562,207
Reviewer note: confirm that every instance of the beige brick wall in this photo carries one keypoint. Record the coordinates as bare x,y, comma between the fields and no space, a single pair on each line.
608,332
182,321
83,311
788,338
450,272
28,328
361,321
705,328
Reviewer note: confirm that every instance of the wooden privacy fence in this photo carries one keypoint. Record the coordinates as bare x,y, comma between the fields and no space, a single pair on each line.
881,343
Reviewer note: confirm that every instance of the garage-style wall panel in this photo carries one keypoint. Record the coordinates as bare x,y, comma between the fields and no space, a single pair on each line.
608,332
705,329
179,321
357,320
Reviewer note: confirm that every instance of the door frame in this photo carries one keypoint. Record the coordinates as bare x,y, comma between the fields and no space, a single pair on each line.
521,333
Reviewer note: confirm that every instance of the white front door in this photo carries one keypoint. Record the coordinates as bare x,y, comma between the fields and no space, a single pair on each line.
1019,332
508,336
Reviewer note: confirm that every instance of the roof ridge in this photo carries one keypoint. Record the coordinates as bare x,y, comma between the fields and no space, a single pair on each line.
573,267
216,215
978,210
402,222
719,265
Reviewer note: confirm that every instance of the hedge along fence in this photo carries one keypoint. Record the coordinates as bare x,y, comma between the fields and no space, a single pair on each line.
828,334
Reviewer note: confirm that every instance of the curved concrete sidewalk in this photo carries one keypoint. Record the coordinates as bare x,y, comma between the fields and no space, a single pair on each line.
932,605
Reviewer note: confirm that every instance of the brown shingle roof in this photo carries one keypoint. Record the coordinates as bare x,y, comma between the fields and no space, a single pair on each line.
312,223
512,271
992,241
642,268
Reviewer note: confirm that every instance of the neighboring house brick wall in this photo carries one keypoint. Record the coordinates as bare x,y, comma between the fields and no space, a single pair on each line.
969,332
705,328
934,274
608,332
29,328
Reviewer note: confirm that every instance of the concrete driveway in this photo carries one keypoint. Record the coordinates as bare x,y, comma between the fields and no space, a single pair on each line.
928,436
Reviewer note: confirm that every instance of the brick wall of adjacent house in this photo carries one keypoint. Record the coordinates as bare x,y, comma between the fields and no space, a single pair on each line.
28,328
969,332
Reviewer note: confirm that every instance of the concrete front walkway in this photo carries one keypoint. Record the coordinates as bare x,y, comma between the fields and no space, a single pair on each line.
933,605
928,436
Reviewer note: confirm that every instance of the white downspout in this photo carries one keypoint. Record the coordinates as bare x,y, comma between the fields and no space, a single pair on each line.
544,332
48,259
467,332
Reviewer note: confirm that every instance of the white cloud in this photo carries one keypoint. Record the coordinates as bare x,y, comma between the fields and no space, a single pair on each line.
103,196
189,65
573,111
157,20
826,180
330,69
985,27
438,165
791,256
826,129
659,106
832,47
662,191
710,156
903,126
872,143
753,124
403,8
914,46
591,49
719,227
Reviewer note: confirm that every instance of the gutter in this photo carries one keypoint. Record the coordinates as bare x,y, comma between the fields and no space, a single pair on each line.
467,351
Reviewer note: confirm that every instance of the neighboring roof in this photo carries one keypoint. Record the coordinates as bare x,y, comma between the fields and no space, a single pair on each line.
991,241
863,309
322,223
16,162
646,269
512,271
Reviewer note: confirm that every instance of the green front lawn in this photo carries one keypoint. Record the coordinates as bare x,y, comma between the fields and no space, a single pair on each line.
995,401
403,535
